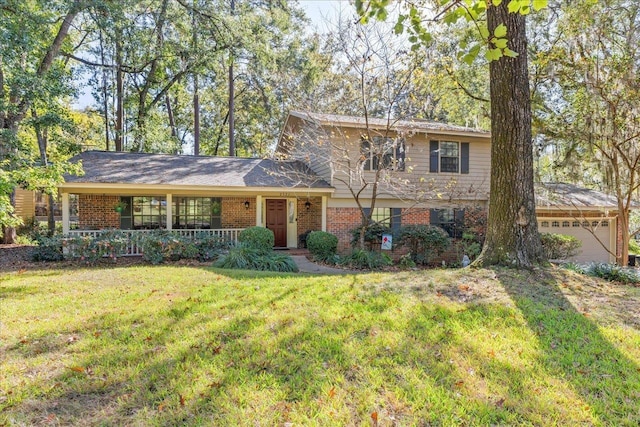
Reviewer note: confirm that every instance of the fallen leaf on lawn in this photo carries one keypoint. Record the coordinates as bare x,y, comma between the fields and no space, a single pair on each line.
22,271
161,407
492,353
77,369
439,294
97,334
459,383
374,417
500,403
148,338
464,288
332,392
181,400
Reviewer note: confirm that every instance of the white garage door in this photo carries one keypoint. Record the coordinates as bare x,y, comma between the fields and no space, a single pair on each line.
591,249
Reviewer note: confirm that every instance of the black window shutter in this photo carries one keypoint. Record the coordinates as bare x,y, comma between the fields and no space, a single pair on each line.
367,212
365,150
459,221
434,217
433,158
396,220
400,148
464,165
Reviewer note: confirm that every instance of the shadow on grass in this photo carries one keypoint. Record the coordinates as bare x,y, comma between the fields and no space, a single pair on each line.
574,348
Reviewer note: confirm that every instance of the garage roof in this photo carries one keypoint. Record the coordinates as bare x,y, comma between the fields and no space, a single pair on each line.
559,194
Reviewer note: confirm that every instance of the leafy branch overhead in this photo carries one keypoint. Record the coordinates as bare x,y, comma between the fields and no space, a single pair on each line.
412,17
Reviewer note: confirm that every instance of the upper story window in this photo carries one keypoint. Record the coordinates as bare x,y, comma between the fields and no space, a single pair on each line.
449,157
383,153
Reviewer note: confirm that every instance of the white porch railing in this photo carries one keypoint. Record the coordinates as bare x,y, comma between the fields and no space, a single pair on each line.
230,234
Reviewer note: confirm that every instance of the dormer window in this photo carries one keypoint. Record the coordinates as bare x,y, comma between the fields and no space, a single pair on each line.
383,153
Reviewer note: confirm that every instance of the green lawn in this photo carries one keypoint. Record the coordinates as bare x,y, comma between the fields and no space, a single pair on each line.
172,345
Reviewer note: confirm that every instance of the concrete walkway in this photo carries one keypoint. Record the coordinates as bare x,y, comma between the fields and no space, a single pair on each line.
306,266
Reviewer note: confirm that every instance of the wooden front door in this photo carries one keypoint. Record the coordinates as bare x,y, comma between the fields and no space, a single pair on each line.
277,221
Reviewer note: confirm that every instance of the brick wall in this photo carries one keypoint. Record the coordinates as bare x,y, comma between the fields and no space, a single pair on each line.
340,222
235,215
415,216
311,219
95,211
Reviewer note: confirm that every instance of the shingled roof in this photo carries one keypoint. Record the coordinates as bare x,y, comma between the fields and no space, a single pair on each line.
109,167
407,125
555,194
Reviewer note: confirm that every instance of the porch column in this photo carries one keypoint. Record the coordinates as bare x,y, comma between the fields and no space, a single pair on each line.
65,213
324,213
169,210
259,211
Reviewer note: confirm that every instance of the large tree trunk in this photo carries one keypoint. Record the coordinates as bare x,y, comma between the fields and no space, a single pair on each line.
512,232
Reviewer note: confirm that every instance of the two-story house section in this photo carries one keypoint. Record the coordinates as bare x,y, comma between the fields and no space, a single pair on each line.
418,171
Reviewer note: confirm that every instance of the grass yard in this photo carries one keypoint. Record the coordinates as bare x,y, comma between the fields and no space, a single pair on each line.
171,345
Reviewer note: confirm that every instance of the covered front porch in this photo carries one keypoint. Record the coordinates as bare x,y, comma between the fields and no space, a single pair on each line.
190,213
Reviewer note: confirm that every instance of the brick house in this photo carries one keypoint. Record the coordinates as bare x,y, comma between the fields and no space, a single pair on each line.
428,173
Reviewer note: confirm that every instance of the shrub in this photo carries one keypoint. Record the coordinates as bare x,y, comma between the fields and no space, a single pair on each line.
245,257
471,244
48,249
161,245
363,259
89,249
406,261
423,241
559,246
634,247
208,247
259,238
322,245
372,235
612,273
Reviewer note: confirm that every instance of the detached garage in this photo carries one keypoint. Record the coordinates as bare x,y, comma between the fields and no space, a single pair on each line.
588,215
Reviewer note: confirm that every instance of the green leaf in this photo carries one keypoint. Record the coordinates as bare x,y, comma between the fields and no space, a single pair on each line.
540,4
500,43
514,6
497,2
493,54
511,54
398,28
484,32
500,31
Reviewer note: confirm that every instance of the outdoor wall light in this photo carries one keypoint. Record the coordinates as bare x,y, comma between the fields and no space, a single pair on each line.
307,204
246,204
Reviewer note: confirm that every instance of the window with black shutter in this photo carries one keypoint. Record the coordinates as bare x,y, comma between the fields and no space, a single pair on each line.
448,157
450,220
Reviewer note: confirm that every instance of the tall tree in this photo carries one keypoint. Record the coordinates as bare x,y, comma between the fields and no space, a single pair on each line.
512,237
590,96
32,35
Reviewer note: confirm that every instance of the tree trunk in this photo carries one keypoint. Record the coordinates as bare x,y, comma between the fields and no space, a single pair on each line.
51,219
9,234
512,231
119,130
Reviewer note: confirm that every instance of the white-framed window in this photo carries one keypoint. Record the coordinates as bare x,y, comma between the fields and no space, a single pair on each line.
449,157
381,216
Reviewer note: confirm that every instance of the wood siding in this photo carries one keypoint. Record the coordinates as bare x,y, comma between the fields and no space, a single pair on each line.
25,203
471,186
309,144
